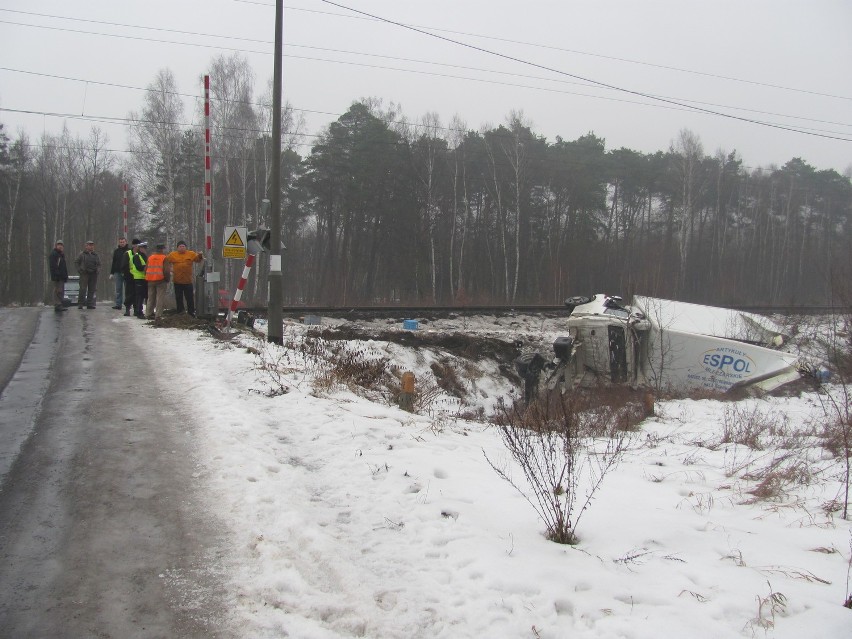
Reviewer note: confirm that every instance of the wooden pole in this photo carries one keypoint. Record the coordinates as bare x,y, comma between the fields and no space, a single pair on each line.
275,328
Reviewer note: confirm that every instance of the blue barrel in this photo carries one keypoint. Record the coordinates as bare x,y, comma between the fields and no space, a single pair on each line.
409,325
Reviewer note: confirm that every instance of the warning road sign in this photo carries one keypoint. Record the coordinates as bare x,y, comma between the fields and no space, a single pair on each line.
235,242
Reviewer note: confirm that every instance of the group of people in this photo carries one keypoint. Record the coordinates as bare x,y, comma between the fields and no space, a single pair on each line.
140,279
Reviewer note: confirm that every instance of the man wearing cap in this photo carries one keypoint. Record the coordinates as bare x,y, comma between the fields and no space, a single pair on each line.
88,264
157,276
58,274
182,261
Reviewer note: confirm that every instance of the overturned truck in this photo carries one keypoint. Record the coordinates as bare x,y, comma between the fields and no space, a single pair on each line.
660,344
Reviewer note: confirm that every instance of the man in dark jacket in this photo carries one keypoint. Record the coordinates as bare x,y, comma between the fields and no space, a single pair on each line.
115,272
88,264
58,275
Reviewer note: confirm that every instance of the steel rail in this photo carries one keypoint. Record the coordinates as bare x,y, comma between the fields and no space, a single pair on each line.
413,312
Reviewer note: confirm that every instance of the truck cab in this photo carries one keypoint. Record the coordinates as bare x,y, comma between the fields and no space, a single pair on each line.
660,344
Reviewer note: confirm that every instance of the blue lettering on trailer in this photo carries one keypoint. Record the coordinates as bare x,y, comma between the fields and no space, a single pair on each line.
729,362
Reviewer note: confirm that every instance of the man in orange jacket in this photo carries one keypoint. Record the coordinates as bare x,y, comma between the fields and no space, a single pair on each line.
181,261
157,276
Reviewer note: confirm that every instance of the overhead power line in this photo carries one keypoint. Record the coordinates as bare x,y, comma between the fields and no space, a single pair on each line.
683,103
574,51
590,80
449,129
658,101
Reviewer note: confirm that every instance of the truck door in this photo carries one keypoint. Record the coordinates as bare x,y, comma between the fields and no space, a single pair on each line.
617,355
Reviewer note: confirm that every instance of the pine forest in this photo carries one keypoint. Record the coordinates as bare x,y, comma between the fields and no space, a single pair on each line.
382,209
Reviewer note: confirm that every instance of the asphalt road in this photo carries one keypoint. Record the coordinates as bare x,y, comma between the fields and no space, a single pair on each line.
103,530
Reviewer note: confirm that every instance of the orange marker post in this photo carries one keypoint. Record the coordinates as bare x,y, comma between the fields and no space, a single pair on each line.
406,397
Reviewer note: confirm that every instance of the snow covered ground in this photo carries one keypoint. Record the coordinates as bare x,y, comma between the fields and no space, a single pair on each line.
352,518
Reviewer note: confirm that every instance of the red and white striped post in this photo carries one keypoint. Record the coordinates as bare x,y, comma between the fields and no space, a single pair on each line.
124,210
208,202
239,292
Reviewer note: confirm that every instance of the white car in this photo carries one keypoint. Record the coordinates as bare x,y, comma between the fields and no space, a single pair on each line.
72,290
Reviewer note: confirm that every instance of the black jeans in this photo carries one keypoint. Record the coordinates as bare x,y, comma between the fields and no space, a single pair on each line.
184,291
140,294
129,291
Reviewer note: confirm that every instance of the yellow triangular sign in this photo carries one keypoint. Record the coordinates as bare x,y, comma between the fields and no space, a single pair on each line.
235,239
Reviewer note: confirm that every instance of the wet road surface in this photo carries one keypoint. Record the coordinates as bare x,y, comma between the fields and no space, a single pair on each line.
103,530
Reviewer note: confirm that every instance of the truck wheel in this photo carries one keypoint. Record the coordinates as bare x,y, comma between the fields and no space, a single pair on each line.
578,300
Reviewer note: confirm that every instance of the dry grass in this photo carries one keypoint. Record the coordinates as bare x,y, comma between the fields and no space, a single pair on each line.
355,368
447,378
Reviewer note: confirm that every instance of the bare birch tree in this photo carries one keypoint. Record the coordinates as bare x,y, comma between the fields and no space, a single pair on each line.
12,174
235,129
427,145
689,153
456,139
155,135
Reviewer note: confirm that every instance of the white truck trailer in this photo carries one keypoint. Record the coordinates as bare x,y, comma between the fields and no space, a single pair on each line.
663,345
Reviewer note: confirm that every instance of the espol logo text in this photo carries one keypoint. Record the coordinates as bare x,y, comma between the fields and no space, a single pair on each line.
728,362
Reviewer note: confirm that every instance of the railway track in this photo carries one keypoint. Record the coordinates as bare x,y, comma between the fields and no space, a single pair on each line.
424,312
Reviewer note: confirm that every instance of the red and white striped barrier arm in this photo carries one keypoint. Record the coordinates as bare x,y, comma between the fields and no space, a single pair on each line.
124,211
239,292
208,199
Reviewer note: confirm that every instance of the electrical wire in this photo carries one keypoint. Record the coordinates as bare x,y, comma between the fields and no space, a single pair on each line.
681,103
574,51
470,79
590,80
465,33
671,103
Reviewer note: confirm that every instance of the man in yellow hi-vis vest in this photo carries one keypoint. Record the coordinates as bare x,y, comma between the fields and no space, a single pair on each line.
136,266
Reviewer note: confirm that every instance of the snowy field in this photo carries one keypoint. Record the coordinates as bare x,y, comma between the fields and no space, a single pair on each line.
352,518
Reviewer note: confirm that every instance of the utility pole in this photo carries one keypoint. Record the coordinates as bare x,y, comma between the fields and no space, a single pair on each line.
275,328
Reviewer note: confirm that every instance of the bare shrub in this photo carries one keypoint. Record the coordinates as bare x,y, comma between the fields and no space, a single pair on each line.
836,434
426,392
556,441
622,406
835,437
762,447
838,398
472,413
749,426
607,406
276,364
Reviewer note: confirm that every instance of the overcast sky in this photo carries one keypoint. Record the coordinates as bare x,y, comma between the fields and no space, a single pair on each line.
570,67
